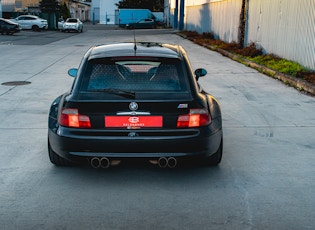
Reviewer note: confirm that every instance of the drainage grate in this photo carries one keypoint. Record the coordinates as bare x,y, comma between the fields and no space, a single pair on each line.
16,83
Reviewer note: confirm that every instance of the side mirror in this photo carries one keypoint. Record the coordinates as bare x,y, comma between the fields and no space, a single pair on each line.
73,72
200,73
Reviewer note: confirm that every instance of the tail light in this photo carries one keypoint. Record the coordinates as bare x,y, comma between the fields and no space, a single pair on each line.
71,118
195,118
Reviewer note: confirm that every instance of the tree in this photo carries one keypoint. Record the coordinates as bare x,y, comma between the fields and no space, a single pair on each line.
153,5
49,6
64,11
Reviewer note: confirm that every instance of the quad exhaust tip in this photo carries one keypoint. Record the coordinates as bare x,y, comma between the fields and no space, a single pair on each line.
103,162
164,162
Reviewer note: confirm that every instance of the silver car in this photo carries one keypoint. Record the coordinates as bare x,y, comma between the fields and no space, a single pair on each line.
72,24
32,22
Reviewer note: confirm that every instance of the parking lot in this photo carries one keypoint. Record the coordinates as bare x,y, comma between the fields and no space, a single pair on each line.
265,180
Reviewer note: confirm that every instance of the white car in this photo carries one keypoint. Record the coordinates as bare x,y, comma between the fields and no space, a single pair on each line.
60,24
72,24
31,22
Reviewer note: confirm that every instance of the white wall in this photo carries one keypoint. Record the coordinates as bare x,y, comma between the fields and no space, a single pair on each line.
107,11
285,28
219,17
95,11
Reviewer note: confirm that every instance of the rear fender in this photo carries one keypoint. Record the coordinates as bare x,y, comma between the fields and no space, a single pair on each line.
215,110
214,107
53,113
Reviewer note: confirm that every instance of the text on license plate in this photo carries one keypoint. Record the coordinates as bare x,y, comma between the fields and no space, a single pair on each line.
133,121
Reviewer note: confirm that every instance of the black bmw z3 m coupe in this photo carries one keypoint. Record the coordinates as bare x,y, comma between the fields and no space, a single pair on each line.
135,100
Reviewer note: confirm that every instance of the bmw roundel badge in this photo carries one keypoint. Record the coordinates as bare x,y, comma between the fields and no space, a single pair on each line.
133,106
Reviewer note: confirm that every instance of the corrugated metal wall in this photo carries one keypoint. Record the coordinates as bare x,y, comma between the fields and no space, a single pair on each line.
220,17
282,27
285,28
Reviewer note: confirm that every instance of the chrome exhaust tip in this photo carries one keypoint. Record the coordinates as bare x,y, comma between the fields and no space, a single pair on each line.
171,162
95,162
104,162
162,162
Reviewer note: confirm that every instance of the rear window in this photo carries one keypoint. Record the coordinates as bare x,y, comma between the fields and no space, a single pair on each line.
134,74
72,20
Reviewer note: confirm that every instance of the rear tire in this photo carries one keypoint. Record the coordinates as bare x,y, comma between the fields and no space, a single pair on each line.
216,158
6,31
10,32
56,159
35,28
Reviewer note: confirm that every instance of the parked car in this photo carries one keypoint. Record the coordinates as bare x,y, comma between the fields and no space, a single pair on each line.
8,27
72,24
31,22
146,23
60,24
135,100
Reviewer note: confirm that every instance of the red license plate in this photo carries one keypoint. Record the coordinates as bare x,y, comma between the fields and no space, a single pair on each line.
133,121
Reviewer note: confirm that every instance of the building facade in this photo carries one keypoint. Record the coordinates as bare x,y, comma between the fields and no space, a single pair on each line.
7,6
103,12
78,8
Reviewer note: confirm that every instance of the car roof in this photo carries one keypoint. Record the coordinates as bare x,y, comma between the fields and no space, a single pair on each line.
147,49
28,15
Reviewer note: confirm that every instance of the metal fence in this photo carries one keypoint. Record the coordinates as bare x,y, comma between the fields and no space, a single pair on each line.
283,27
220,18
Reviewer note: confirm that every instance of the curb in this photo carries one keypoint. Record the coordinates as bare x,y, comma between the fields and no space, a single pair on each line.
299,84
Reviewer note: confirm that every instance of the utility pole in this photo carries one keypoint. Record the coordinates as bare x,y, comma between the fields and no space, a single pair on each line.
181,14
243,24
176,15
0,9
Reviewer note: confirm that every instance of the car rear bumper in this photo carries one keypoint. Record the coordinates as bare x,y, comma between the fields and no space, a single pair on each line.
74,146
67,28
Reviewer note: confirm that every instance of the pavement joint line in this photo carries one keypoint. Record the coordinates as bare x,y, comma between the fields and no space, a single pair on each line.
38,73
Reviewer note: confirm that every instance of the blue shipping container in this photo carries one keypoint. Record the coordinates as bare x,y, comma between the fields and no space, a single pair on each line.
126,16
